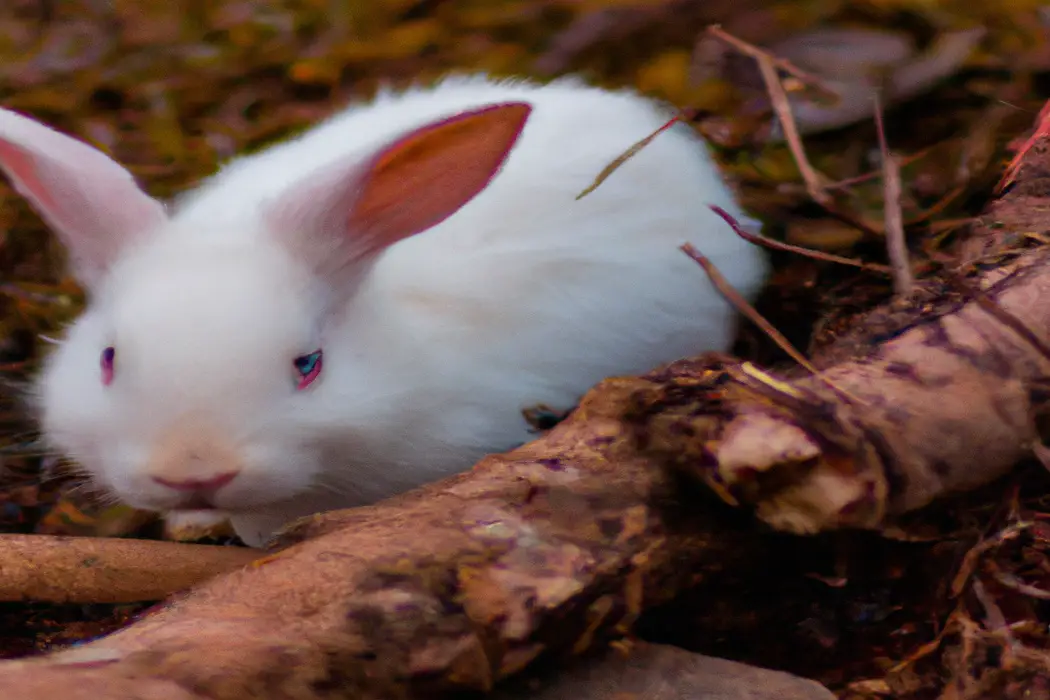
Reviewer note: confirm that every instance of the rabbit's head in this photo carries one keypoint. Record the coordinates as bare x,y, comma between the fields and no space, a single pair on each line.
182,384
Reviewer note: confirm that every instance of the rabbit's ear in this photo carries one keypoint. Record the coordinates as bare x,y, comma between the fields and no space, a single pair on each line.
91,202
350,212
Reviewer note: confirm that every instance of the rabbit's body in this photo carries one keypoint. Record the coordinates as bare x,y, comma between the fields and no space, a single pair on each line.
522,296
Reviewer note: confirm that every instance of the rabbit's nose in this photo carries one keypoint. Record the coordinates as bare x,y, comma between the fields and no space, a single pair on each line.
194,460
211,483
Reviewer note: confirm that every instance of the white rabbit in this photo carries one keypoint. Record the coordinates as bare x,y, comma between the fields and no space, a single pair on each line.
429,243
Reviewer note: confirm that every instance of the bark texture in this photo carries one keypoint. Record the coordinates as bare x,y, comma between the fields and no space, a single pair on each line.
551,547
938,393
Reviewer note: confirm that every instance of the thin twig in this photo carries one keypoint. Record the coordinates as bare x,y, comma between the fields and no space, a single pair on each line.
931,646
807,252
782,107
810,79
768,65
994,616
973,555
896,246
816,184
871,175
937,207
1013,582
626,155
744,307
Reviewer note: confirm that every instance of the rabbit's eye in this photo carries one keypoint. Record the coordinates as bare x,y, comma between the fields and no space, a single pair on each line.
106,364
308,367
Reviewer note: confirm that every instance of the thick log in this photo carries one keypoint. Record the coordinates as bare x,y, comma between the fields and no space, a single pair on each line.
549,548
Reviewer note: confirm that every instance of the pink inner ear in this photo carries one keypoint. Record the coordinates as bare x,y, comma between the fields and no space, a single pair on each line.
426,176
91,202
21,167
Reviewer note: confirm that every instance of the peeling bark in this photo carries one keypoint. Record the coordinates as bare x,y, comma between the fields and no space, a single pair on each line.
933,395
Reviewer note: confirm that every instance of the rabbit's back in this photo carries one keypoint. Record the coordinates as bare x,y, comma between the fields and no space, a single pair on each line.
527,294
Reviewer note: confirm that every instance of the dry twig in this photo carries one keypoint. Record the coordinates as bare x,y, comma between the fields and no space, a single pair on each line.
1013,582
973,555
788,247
741,304
768,65
632,151
815,182
896,245
809,79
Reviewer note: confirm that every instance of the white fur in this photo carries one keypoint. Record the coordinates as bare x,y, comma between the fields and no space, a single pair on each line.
524,296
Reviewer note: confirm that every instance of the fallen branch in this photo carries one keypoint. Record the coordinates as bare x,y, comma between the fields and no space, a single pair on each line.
550,548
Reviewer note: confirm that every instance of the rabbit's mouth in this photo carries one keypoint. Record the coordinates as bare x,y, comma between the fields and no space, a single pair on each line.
194,502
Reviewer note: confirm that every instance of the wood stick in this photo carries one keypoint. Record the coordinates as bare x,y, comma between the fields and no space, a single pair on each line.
107,570
896,244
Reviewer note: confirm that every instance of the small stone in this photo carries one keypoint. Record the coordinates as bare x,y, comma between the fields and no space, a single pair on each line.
659,672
